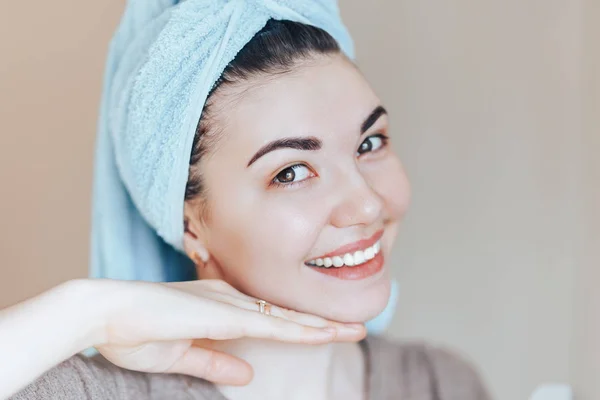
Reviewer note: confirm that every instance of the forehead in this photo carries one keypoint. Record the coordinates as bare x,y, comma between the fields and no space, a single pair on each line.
321,97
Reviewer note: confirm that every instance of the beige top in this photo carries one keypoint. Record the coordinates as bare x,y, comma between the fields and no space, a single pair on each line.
410,371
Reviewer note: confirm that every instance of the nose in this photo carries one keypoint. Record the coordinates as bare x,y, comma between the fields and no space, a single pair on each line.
358,203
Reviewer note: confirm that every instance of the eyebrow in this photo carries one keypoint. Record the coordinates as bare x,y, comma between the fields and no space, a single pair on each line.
311,143
372,118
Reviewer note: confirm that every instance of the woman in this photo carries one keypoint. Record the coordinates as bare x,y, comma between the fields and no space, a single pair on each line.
292,199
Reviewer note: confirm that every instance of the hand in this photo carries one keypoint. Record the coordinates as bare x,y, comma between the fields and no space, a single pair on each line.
159,327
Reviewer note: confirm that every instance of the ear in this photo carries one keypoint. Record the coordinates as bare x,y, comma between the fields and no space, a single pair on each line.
194,237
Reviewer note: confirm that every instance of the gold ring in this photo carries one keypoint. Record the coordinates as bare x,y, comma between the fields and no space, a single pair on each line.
263,307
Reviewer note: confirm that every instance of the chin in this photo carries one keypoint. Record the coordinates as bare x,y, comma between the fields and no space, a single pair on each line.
360,305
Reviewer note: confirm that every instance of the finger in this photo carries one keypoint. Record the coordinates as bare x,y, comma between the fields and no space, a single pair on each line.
345,331
222,291
201,317
257,325
213,366
220,320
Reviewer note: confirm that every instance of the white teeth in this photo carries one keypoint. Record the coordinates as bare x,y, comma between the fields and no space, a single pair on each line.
338,261
359,257
349,259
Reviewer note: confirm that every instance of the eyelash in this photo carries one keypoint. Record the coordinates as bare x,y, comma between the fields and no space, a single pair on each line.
384,143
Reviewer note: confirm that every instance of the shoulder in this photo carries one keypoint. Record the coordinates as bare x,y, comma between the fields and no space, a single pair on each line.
95,378
76,378
419,367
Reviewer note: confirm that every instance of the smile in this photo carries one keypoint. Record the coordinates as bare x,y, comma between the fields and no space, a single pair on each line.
351,259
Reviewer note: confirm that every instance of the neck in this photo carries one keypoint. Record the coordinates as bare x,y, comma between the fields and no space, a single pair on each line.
297,371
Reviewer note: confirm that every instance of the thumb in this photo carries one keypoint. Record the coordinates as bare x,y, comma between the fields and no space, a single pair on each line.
213,366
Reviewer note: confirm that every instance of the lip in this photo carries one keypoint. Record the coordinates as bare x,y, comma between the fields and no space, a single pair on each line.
352,247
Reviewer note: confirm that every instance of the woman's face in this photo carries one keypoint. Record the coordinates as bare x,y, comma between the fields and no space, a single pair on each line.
302,174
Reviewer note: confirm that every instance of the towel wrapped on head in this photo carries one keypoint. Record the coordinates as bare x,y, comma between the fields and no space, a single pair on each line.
164,58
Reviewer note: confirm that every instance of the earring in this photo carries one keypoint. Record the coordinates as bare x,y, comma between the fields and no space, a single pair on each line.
197,259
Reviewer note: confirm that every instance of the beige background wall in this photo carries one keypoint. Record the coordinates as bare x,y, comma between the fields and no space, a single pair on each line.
494,113
586,354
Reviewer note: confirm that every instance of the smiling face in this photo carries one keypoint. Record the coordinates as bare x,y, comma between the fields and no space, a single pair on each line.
302,177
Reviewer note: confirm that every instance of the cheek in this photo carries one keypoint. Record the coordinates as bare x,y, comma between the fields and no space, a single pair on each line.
285,229
262,242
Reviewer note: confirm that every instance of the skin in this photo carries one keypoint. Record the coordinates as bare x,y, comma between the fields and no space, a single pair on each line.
276,228
307,348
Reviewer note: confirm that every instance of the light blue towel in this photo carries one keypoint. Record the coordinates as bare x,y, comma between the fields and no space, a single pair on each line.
163,60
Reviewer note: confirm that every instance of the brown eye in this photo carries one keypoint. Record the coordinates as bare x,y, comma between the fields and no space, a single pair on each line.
372,143
294,174
286,176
